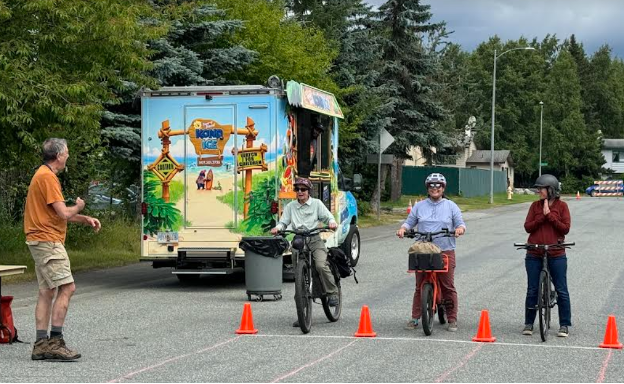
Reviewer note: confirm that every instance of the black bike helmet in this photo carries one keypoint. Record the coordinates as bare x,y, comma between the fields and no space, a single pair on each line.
298,242
549,182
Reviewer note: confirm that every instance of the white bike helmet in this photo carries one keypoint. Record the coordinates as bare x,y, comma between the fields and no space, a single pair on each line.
435,178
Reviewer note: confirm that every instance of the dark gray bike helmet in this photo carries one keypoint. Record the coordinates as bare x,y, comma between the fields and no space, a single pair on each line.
298,242
549,182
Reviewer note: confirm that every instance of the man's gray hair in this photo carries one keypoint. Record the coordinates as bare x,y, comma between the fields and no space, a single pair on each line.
52,148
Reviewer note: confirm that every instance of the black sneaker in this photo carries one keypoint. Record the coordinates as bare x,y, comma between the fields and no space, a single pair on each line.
528,330
333,301
563,332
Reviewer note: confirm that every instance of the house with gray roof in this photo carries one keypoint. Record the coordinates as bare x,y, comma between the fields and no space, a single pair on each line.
480,159
613,152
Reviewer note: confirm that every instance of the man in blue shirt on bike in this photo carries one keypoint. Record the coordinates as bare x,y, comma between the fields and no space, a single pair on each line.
306,213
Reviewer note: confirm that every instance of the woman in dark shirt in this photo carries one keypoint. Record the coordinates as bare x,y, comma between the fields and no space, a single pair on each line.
547,222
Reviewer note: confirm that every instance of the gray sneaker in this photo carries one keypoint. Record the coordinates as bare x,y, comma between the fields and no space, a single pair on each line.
563,331
333,301
412,324
528,330
452,326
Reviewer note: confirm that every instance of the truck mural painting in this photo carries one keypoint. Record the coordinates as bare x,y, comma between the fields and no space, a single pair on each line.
219,164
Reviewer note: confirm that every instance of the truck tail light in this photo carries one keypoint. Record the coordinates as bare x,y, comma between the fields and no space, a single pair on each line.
274,207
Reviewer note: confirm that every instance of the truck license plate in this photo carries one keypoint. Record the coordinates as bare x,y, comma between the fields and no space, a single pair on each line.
167,237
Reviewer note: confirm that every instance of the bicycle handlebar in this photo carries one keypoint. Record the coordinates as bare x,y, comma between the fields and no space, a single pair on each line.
304,232
543,246
412,234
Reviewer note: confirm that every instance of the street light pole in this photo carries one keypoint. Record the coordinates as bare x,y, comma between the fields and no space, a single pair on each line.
541,119
494,117
492,132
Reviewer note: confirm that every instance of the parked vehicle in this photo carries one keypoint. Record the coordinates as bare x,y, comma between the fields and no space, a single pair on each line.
592,190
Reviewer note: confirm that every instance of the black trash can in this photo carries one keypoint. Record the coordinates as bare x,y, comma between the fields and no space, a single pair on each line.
263,265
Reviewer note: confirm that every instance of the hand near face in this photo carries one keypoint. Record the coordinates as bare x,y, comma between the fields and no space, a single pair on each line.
546,208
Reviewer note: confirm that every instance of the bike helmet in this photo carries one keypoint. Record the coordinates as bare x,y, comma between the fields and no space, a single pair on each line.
304,182
435,178
298,242
549,182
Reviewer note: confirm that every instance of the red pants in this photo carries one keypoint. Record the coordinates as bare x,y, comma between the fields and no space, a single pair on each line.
446,282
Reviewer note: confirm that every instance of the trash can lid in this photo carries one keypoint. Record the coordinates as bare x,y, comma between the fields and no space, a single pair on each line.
271,246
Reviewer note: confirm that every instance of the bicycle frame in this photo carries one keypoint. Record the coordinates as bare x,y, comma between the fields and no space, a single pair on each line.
548,301
431,276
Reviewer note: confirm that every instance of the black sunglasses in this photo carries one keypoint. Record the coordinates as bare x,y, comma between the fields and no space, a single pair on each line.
301,189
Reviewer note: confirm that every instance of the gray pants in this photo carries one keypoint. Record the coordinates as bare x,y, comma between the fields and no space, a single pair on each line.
319,255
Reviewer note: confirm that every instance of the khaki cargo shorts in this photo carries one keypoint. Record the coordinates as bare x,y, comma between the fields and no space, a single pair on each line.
51,264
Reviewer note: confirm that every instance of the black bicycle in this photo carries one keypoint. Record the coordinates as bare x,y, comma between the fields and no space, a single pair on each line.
430,264
546,293
308,286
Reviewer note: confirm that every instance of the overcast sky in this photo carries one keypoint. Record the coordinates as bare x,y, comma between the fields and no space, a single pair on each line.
594,22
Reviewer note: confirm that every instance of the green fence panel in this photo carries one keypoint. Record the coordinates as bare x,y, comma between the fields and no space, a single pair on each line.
476,182
414,179
468,182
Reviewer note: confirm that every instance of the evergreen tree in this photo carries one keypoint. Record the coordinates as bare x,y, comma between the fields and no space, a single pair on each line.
601,96
406,73
570,148
196,51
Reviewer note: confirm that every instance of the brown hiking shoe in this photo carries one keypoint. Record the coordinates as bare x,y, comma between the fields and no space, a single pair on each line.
40,349
59,351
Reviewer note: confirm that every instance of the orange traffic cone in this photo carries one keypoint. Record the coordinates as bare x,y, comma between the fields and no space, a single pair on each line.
409,207
611,335
484,333
578,195
247,327
366,328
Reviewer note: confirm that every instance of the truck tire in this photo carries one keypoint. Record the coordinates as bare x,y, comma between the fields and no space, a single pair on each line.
351,245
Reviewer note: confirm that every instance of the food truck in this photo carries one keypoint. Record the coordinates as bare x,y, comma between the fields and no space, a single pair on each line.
219,163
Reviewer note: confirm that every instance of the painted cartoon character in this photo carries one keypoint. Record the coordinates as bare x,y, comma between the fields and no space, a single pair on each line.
200,180
290,157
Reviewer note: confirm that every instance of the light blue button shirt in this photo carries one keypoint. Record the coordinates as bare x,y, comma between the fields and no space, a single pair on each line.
432,216
306,215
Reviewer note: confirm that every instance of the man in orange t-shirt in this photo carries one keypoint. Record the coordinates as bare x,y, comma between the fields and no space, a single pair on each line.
45,225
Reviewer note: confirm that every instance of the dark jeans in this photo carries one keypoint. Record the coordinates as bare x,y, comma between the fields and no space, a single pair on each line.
558,267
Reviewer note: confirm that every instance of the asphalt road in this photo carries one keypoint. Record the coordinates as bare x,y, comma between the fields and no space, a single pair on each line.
136,324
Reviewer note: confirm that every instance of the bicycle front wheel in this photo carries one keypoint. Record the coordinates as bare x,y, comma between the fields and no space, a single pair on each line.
426,302
543,305
303,296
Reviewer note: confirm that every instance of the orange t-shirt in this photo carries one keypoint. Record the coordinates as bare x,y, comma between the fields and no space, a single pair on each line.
41,222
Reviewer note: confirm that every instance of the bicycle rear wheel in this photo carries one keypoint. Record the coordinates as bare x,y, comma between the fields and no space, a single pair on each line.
303,296
426,302
543,305
333,313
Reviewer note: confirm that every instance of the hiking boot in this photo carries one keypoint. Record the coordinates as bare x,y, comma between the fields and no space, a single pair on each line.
333,301
59,351
411,324
563,332
528,330
452,326
40,349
